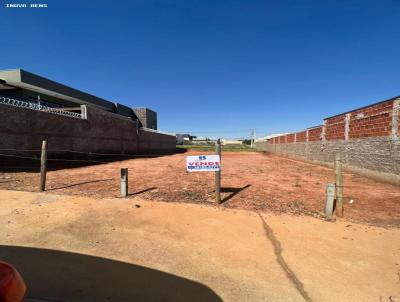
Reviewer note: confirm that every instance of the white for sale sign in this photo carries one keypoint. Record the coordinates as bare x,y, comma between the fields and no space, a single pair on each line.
203,163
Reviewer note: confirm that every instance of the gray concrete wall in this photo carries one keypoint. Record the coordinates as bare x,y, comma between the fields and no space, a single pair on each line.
21,78
147,117
377,157
101,132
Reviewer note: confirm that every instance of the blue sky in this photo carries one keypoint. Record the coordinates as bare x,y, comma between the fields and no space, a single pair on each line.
214,66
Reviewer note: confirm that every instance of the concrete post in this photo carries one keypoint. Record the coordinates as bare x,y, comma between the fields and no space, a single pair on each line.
395,119
295,138
347,126
307,136
83,112
124,182
329,202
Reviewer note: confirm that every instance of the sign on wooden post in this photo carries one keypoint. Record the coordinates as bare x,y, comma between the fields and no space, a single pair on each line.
208,163
203,163
218,173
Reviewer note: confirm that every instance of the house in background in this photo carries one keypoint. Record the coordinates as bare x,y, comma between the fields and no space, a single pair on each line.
231,142
184,139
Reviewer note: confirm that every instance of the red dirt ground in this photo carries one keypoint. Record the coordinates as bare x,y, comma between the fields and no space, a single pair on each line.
250,180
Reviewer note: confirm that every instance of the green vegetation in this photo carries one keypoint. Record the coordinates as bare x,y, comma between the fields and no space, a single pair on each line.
211,147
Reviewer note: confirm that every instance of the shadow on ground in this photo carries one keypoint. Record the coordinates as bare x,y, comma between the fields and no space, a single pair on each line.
78,184
142,191
233,191
53,275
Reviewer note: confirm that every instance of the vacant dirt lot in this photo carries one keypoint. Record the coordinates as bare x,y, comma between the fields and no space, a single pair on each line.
250,180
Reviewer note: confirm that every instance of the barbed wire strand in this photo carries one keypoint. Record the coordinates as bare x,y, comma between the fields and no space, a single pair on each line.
87,153
54,159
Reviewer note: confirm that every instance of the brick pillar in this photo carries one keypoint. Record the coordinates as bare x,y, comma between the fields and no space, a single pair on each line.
347,126
286,146
307,148
395,119
323,131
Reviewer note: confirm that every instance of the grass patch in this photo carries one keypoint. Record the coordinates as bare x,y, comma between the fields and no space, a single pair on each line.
237,148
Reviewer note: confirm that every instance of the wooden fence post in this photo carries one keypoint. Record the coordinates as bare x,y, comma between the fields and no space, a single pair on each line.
218,174
43,166
339,185
124,182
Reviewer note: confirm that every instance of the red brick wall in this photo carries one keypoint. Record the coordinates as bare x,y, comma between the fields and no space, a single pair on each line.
372,121
290,138
314,134
334,128
273,140
280,139
398,122
301,136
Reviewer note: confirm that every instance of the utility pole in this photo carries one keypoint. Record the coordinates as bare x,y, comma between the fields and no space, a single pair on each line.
253,137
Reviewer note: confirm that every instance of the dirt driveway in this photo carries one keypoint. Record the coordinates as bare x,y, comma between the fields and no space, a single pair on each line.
72,248
250,180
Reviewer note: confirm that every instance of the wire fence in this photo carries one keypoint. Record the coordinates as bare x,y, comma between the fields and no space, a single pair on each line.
85,153
34,155
34,163
36,106
65,179
53,159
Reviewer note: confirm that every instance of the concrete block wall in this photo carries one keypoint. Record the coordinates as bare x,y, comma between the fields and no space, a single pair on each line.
147,117
368,139
101,132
